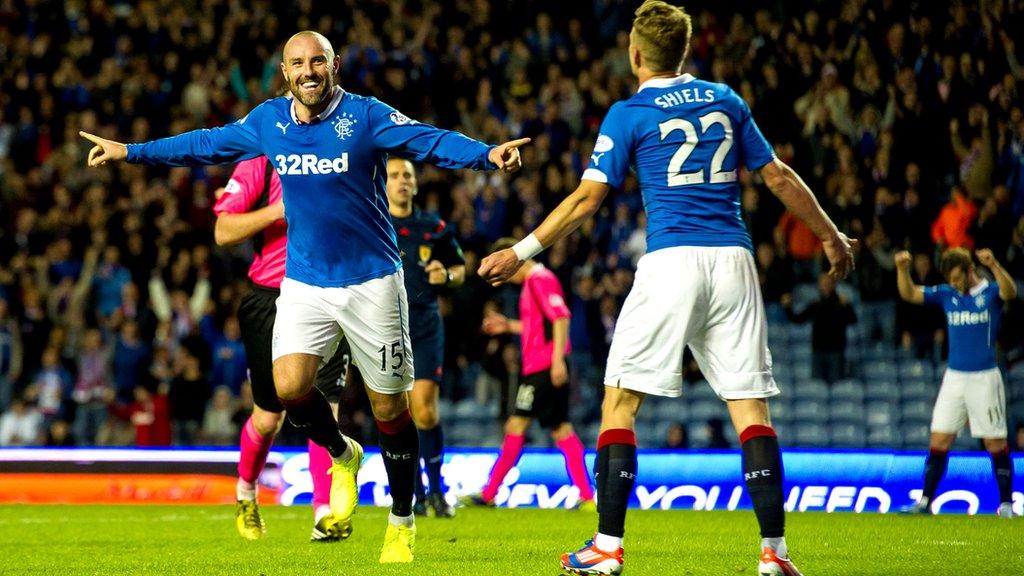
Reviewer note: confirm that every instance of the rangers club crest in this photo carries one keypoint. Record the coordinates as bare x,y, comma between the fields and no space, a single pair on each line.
344,125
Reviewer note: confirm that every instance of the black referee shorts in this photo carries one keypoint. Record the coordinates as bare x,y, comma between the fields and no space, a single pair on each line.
537,397
256,315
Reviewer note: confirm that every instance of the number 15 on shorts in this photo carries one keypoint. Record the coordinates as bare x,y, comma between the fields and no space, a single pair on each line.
392,357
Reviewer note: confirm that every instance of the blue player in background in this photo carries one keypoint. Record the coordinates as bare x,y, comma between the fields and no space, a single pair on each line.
343,270
696,286
972,387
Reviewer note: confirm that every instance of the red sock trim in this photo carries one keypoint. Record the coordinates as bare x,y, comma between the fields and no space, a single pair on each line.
1004,452
300,400
756,431
616,436
395,425
937,452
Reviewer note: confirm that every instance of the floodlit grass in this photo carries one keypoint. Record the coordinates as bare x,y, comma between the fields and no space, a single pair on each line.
191,540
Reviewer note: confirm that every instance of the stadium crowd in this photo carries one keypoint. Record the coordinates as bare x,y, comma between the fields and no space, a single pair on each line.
117,313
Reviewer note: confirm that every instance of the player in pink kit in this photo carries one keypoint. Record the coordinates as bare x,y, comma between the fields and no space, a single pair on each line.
250,207
543,391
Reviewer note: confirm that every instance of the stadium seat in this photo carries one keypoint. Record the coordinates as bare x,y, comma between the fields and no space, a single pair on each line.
847,436
778,334
801,353
704,410
918,390
1016,372
880,413
701,391
809,434
965,442
915,436
671,410
847,412
883,436
802,371
698,434
852,390
915,370
916,411
782,370
810,411
879,370
812,390
886,390
799,333
878,352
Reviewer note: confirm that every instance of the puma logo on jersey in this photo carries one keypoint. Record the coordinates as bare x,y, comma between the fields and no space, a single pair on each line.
597,158
283,127
305,164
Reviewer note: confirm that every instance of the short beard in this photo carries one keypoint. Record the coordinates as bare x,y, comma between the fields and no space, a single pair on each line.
314,99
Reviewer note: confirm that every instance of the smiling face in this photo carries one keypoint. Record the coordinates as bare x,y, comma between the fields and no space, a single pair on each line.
309,66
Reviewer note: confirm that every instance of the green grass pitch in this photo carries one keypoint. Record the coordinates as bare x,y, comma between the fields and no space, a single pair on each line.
190,540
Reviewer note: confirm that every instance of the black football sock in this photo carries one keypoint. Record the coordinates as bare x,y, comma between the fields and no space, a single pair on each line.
601,475
762,471
1002,466
934,470
617,449
312,415
400,447
432,451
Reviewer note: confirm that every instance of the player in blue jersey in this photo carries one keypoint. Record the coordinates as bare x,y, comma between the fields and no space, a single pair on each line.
432,260
972,387
696,286
343,270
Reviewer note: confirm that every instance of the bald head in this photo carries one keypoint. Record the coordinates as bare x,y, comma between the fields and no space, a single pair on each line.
301,40
309,65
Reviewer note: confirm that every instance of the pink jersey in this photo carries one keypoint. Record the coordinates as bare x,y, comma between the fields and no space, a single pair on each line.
241,195
540,302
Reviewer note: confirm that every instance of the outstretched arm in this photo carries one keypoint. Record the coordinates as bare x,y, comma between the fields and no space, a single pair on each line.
1007,287
563,220
909,291
229,143
791,190
231,229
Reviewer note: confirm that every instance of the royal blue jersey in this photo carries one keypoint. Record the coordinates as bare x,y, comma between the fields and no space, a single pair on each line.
333,172
423,237
973,320
685,138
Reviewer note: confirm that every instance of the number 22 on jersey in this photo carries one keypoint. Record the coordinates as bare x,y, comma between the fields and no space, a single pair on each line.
676,177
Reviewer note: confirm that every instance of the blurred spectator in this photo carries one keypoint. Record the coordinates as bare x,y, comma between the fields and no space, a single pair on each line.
150,415
219,428
189,393
59,435
677,438
830,315
10,355
776,277
951,227
131,357
922,328
229,368
22,425
794,239
91,388
52,387
715,429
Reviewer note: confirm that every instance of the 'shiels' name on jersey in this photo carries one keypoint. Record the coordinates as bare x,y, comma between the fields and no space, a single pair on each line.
306,164
686,96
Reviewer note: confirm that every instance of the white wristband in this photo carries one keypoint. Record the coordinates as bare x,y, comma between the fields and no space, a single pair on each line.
527,248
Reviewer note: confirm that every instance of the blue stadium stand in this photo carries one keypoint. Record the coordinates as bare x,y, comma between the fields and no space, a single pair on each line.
848,436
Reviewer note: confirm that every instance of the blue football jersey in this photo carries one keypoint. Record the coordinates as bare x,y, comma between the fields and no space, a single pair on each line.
333,171
685,138
973,320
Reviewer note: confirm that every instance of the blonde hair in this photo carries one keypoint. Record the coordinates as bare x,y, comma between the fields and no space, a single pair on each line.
662,35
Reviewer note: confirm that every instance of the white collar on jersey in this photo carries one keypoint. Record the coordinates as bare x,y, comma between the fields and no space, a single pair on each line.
979,287
666,82
335,100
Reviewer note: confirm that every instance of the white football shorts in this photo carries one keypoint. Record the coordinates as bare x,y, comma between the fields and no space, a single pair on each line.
975,397
373,316
707,298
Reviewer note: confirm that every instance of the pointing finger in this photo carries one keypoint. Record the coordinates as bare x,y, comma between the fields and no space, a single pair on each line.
519,142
